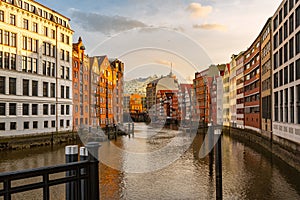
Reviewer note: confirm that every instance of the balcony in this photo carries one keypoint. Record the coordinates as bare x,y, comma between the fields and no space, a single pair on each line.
249,92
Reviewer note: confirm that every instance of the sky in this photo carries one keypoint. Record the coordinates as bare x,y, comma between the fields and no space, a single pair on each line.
159,36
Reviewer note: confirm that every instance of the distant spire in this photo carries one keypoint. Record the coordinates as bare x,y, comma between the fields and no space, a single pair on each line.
79,39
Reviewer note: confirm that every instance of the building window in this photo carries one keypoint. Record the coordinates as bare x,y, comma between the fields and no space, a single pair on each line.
25,109
286,75
13,39
62,72
67,92
285,51
2,84
6,60
291,4
298,42
62,91
62,37
53,123
25,24
35,125
2,109
62,54
1,15
25,42
26,125
6,38
68,123
291,48
298,69
12,19
25,87
45,89
34,65
26,6
52,109
45,124
291,23
2,126
35,46
298,16
35,88
292,73
1,38
45,31
13,125
292,96
275,23
61,123
12,86
67,73
45,109
285,30
34,109
24,63
12,109
276,80
34,27
67,109
67,39
52,90
53,34
62,109
67,56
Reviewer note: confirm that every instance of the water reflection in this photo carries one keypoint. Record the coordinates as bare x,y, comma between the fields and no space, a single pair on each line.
248,171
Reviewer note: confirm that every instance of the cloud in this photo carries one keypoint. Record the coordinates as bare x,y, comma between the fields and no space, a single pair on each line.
217,27
198,11
95,22
164,62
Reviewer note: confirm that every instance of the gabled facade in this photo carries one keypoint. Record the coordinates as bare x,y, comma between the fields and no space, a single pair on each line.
81,86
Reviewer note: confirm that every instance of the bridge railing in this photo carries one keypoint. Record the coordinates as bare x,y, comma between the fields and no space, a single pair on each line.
81,179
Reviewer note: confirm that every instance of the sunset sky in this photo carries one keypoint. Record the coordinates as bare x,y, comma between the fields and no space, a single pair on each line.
149,35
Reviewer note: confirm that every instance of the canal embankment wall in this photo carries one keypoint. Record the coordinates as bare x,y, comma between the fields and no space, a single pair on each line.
284,149
36,140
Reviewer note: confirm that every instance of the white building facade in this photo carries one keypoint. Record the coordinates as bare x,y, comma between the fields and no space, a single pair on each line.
286,71
240,91
232,91
35,69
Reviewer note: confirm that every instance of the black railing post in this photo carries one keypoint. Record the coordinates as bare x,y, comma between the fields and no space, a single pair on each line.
132,129
93,189
71,156
218,165
128,129
83,183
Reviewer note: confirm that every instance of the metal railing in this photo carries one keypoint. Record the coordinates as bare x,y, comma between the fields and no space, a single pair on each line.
81,178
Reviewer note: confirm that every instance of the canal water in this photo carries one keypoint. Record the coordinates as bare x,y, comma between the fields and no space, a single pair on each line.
164,165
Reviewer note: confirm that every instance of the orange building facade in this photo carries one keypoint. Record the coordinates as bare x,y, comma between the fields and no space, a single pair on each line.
81,89
252,86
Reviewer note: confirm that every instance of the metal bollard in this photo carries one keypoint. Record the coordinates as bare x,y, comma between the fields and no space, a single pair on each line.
128,130
71,153
83,183
132,129
93,190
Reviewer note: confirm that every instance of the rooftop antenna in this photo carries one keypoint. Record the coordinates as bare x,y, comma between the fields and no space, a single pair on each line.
171,68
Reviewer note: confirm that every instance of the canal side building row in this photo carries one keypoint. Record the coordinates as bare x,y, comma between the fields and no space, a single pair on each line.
265,93
46,83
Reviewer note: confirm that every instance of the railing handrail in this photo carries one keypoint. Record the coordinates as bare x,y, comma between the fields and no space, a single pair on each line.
28,173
